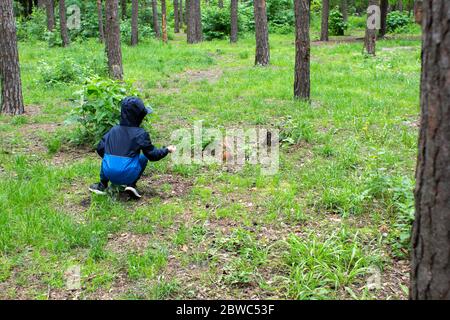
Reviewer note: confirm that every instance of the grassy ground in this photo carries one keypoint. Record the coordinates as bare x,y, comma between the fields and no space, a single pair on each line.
331,221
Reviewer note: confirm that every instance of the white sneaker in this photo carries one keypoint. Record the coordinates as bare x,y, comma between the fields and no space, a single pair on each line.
133,192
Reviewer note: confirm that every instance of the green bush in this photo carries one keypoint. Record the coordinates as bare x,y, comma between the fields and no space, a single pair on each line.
70,71
33,27
98,108
337,25
144,31
397,22
216,23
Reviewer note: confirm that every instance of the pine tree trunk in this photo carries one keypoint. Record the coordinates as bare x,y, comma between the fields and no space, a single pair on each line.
164,20
10,82
101,32
123,6
220,4
41,4
194,23
176,15
112,39
180,14
383,18
134,22
234,20
262,56
430,265
344,10
400,5
50,10
155,19
63,23
325,15
371,31
302,84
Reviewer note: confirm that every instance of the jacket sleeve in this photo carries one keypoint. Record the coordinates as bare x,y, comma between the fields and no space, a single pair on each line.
150,151
101,146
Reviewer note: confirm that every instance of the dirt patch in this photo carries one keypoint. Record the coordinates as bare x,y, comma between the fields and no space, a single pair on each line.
68,155
166,186
211,75
32,110
125,242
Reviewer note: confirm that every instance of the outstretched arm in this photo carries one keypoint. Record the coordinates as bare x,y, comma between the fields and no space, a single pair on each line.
150,151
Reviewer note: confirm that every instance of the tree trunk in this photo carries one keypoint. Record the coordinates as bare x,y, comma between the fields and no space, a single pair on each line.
10,82
50,9
383,18
101,33
41,4
234,20
112,40
63,23
123,6
134,22
176,15
164,20
220,4
155,19
262,56
371,31
302,83
325,15
180,14
430,265
194,22
344,10
400,5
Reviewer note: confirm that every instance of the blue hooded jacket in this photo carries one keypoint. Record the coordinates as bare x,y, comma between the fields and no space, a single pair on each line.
121,146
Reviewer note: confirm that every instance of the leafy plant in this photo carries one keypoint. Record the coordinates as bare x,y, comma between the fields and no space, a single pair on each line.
337,25
216,23
98,109
292,131
397,21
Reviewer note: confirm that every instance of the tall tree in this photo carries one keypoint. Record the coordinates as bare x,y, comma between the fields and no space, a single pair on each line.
234,20
194,21
10,82
155,19
302,82
400,5
325,15
344,9
101,32
383,17
180,14
371,29
123,6
112,40
50,10
430,265
220,4
164,20
63,23
134,22
262,56
41,4
176,16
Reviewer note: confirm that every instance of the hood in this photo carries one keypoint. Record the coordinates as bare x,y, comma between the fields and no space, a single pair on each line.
132,112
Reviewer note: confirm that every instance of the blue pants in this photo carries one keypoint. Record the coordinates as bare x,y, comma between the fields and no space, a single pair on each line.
143,164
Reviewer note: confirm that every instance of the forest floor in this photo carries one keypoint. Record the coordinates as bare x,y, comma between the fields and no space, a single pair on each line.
331,224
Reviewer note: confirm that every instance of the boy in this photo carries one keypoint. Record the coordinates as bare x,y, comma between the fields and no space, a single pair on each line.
120,148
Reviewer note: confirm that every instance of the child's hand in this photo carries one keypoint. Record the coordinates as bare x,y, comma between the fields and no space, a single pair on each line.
172,149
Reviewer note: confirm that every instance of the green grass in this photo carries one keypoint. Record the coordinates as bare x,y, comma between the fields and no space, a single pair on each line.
339,205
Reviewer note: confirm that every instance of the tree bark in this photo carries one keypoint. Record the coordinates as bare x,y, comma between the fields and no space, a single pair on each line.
262,56
344,10
220,4
302,82
371,31
123,6
155,19
112,40
176,15
63,23
325,15
194,22
400,5
180,14
164,20
50,10
383,18
101,32
234,20
430,263
10,82
134,22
